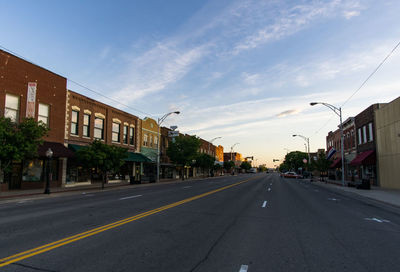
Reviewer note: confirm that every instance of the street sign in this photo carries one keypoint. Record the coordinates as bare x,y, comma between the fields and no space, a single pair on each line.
173,127
173,133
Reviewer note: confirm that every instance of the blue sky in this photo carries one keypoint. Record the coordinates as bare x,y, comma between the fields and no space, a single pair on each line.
241,70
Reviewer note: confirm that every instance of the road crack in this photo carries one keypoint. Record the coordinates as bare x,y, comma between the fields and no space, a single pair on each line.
34,268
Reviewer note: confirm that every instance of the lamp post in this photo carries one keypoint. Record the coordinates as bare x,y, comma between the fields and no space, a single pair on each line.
338,112
211,142
308,144
49,155
159,122
231,154
232,149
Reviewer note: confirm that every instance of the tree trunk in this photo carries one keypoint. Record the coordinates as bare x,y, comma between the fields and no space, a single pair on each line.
103,181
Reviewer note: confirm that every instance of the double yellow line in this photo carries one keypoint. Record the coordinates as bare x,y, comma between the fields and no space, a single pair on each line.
47,247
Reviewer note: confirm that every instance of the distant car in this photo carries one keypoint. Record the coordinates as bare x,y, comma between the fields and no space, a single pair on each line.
253,170
290,175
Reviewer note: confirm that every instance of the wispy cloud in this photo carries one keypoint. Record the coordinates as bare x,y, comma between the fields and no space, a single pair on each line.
287,113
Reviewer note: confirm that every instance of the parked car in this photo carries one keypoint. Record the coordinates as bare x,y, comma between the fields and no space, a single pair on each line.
290,175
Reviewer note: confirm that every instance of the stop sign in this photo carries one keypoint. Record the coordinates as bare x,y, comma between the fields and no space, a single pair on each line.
305,160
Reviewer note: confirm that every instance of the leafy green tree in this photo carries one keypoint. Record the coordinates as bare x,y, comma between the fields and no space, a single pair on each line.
245,165
229,165
204,161
19,141
293,161
106,158
183,151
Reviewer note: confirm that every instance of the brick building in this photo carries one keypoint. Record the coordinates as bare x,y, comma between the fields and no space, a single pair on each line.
365,162
88,120
44,101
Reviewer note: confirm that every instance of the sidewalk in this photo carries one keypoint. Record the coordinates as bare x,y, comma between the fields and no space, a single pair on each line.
388,196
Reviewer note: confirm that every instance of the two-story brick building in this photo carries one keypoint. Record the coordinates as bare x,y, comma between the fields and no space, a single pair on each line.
30,91
88,120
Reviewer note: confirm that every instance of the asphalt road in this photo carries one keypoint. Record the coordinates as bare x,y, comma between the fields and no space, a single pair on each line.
260,223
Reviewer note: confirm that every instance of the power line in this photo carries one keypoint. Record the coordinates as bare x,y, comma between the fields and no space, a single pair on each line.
362,85
79,84
376,69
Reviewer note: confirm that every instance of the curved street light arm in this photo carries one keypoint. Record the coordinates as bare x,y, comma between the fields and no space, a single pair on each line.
332,107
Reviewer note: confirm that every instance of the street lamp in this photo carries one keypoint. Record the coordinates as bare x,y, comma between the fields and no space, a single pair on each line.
211,142
338,112
49,155
308,144
159,122
232,149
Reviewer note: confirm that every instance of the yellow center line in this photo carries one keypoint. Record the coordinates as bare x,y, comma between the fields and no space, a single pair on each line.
50,246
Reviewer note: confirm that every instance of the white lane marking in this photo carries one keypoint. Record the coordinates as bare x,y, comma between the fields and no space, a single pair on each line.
269,189
187,187
333,199
377,220
264,204
270,184
128,197
316,190
89,195
244,268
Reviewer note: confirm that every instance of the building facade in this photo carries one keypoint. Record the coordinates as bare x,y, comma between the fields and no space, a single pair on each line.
365,161
387,121
30,91
88,120
149,142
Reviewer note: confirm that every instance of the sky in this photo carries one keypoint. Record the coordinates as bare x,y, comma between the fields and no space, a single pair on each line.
243,70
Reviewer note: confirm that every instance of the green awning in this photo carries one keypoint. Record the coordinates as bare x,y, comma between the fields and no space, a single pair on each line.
137,157
75,147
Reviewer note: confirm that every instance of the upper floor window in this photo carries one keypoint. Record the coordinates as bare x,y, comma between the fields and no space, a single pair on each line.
125,139
12,107
116,132
98,132
43,115
131,136
364,134
371,135
145,139
155,141
86,125
74,122
151,141
359,136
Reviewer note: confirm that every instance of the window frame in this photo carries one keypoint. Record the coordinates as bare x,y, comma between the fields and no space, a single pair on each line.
96,128
125,134
47,123
86,126
132,136
74,124
117,133
8,108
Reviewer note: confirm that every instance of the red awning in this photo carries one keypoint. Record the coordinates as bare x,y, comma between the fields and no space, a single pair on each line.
336,163
59,150
366,158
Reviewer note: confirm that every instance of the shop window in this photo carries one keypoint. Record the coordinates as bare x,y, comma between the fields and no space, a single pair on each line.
86,125
116,132
12,107
74,122
43,115
98,128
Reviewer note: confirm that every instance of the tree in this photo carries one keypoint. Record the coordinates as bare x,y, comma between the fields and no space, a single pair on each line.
183,151
19,141
204,161
245,165
228,165
106,158
293,161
